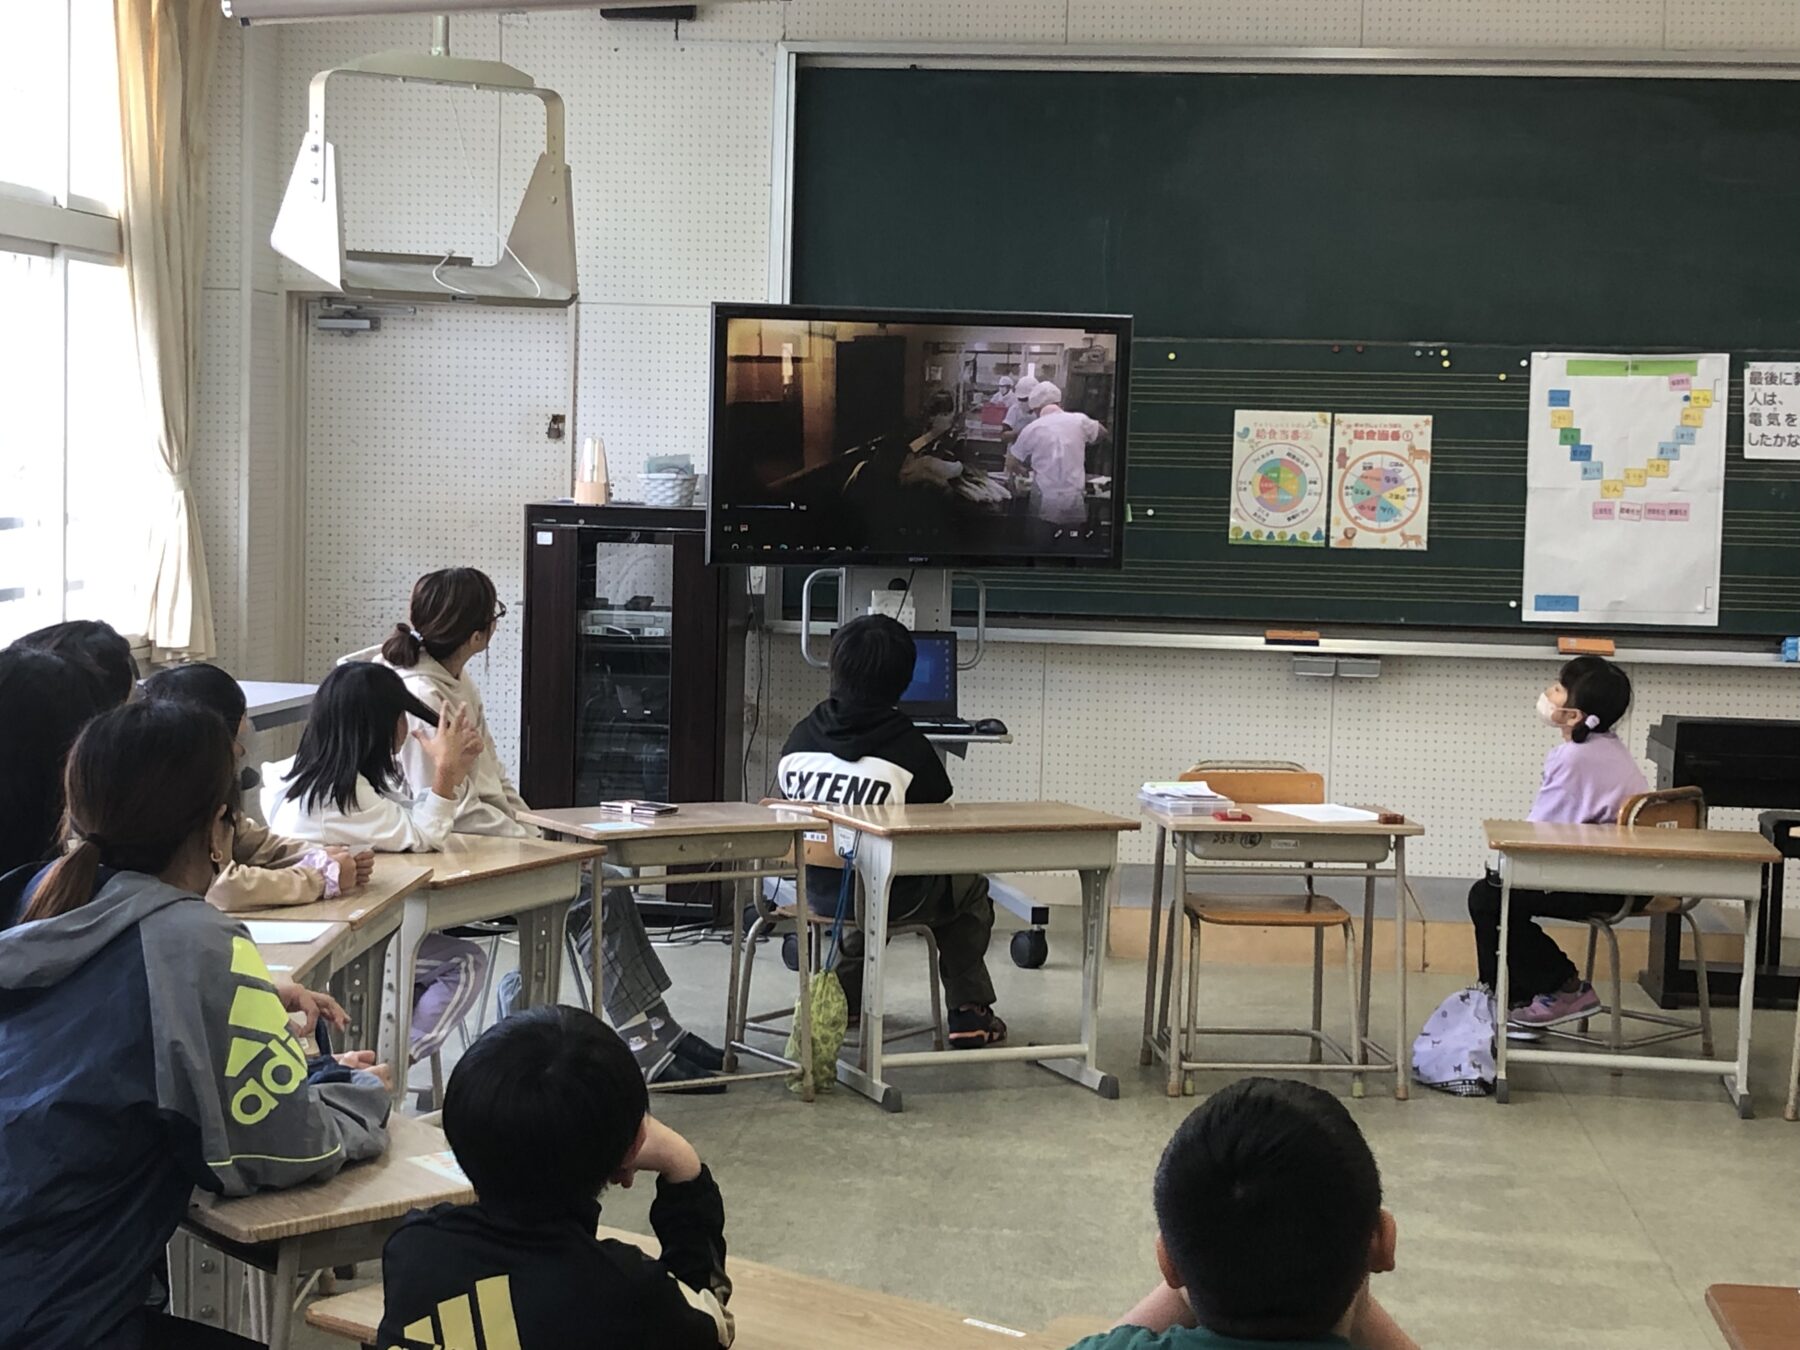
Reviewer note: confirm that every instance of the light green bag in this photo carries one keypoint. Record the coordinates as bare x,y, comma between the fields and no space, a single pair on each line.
824,992
830,1025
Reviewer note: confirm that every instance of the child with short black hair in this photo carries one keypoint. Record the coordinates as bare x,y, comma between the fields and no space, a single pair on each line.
1269,1224
98,650
543,1111
857,747
1587,778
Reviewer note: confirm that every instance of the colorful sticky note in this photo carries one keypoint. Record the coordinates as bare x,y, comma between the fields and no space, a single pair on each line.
1559,398
1602,511
1592,472
1668,450
1676,510
1612,487
1556,604
1693,417
1701,398
1684,435
1562,417
1635,477
1657,468
1631,510
1681,381
1569,435
1580,454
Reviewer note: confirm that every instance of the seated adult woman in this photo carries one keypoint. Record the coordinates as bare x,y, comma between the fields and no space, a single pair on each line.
144,1048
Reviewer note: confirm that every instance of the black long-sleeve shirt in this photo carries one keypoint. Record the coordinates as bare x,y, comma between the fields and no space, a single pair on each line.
554,1285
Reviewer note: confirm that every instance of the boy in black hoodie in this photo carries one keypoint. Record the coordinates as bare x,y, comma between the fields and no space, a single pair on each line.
857,747
544,1110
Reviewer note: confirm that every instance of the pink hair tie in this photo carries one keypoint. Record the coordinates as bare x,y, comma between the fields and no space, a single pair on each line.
1593,722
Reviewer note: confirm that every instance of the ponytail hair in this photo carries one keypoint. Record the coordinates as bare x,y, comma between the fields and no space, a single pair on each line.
1599,691
141,781
448,608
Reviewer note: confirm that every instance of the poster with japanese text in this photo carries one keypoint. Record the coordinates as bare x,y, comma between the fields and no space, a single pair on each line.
1280,469
1381,491
1624,488
1772,410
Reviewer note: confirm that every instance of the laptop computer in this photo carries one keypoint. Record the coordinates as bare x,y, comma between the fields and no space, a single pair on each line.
931,697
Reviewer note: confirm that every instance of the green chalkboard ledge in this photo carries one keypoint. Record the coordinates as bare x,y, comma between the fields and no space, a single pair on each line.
1349,640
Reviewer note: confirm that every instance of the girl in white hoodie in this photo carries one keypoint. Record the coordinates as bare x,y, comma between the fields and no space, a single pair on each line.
450,621
345,786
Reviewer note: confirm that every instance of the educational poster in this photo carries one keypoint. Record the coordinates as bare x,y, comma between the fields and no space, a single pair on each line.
1381,497
1772,410
1624,488
1280,468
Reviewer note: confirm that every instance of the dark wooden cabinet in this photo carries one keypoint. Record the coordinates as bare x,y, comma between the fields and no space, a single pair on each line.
634,648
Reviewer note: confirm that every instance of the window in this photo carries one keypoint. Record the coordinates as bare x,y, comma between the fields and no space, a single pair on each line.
71,541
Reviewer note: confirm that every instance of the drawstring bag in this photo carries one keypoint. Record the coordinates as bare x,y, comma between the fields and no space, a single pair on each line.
824,992
1454,1052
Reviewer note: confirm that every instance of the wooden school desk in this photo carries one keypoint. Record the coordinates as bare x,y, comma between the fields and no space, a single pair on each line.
271,704
1352,850
775,1309
956,837
288,1233
757,842
1756,1316
300,961
354,963
1623,860
476,877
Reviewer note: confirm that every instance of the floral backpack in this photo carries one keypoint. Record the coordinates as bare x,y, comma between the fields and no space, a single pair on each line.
1454,1052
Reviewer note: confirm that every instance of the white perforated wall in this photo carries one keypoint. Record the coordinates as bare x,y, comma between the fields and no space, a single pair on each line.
429,466
1316,23
1515,23
425,440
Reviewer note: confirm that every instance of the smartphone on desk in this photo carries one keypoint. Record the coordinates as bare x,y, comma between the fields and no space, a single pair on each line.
637,806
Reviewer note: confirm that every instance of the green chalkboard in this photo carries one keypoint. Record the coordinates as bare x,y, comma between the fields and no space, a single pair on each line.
1319,242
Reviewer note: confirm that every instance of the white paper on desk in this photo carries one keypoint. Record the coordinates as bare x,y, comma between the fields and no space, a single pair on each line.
284,932
613,826
1178,789
1326,814
444,1164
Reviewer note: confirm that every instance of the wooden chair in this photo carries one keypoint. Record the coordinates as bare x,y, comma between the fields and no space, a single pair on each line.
1682,808
1252,783
819,852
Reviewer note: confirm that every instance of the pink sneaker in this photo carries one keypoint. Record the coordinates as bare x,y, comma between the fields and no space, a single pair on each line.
1549,1010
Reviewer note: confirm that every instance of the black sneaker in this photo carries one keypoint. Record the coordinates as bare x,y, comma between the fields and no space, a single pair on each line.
675,1069
975,1028
702,1054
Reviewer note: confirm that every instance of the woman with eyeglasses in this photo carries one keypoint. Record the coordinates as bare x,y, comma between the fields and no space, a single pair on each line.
451,621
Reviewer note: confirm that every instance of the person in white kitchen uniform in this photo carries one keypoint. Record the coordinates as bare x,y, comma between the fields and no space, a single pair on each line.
1053,446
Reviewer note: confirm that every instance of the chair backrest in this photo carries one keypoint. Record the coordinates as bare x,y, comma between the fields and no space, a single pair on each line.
1682,808
1260,784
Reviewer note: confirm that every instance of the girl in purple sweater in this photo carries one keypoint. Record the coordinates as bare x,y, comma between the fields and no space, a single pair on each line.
1586,779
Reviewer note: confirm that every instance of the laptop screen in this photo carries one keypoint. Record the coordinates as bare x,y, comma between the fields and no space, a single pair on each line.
932,692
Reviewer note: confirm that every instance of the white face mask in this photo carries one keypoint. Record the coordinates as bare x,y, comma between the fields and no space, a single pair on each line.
1546,709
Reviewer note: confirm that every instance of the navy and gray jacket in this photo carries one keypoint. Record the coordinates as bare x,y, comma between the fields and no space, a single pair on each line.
143,1053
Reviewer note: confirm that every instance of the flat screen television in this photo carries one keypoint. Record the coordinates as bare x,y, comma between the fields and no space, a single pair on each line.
861,436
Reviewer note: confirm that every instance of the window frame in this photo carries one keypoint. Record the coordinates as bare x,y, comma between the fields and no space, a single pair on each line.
61,226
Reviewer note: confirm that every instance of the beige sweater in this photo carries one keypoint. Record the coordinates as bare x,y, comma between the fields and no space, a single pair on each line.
263,872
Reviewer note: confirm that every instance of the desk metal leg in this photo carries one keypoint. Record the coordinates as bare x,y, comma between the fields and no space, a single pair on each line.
1401,1058
1738,1083
803,946
1502,1090
281,1289
875,870
1368,950
541,954
1095,903
359,986
1146,1051
402,969
1174,969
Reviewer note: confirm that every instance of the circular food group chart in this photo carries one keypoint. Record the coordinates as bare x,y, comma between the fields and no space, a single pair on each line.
1380,490
1280,489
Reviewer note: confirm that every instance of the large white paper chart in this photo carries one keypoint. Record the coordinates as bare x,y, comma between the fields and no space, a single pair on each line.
1280,468
1625,488
1381,495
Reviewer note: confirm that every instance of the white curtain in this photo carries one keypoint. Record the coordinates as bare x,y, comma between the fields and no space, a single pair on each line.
166,50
